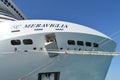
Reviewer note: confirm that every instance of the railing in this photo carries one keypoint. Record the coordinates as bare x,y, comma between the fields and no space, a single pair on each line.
54,51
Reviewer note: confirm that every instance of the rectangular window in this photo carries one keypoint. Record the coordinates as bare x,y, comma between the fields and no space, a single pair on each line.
95,44
71,42
15,42
88,44
49,76
27,41
81,43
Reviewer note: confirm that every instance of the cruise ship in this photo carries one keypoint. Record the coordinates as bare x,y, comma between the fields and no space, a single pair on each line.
50,49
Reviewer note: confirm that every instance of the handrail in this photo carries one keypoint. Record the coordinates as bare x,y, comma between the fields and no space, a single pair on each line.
67,52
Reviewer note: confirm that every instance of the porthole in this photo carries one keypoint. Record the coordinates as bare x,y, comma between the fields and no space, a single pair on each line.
34,48
79,49
15,49
61,48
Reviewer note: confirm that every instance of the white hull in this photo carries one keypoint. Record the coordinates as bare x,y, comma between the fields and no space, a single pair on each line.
27,66
22,58
22,44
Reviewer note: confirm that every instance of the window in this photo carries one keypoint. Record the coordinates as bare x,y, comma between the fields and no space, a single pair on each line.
19,14
9,4
79,49
15,42
61,48
49,76
88,44
5,0
95,44
14,9
80,43
34,48
12,6
71,42
27,41
22,18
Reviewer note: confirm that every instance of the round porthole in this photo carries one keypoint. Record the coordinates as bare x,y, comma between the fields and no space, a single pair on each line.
34,48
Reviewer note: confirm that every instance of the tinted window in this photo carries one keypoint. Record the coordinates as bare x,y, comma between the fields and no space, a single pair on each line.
15,42
95,45
5,0
88,43
80,43
27,41
11,6
9,3
71,42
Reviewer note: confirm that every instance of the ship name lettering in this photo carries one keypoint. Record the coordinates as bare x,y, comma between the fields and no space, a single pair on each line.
45,26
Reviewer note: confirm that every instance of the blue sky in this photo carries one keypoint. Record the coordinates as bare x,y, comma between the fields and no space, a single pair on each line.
102,15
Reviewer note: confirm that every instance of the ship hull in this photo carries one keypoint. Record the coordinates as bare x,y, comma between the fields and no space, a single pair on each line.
28,66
